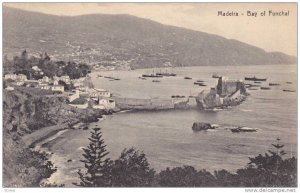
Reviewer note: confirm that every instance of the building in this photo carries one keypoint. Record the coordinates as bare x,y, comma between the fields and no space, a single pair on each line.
55,82
45,87
105,103
227,87
73,96
66,79
46,79
58,88
10,76
36,68
10,88
101,93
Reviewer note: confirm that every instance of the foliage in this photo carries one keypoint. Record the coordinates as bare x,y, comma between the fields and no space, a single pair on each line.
97,166
270,170
185,176
67,87
22,166
23,64
131,169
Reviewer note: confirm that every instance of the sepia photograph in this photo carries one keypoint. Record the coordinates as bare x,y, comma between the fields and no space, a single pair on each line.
198,95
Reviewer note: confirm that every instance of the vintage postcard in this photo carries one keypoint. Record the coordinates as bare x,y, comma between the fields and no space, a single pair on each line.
149,95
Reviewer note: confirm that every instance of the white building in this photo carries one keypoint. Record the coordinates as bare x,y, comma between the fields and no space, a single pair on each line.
55,82
101,93
46,79
105,103
10,88
66,79
58,88
73,97
36,68
45,87
10,76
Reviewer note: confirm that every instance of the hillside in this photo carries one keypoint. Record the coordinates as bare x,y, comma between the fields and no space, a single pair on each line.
125,40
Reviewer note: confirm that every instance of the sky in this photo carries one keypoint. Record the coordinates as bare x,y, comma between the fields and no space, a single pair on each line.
271,33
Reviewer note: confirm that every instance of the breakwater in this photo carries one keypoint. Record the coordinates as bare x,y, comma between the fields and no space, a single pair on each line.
154,103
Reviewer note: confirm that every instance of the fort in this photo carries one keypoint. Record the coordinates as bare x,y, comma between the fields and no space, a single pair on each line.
226,93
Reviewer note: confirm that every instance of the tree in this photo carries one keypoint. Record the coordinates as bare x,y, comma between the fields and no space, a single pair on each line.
97,166
132,169
270,170
186,176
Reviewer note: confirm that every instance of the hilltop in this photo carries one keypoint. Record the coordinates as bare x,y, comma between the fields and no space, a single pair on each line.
126,41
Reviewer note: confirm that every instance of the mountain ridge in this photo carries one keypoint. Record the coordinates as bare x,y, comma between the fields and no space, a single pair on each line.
126,39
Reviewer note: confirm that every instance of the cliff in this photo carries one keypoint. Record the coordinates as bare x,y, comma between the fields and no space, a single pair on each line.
26,110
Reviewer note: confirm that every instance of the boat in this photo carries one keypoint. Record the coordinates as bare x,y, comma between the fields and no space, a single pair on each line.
187,78
100,76
252,89
258,82
117,79
152,75
201,84
265,88
274,84
165,74
242,129
177,96
255,79
142,78
200,81
286,90
289,82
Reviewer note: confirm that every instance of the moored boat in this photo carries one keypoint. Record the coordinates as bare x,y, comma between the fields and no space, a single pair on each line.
187,78
255,79
286,90
151,76
265,88
274,84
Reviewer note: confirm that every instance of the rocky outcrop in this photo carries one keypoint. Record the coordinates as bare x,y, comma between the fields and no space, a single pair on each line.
200,126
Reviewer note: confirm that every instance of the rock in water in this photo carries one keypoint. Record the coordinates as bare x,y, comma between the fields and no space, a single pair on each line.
199,126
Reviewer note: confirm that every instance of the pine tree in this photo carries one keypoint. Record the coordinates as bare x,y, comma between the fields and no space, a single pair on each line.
97,167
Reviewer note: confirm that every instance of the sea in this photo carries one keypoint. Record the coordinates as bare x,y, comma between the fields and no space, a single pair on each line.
167,138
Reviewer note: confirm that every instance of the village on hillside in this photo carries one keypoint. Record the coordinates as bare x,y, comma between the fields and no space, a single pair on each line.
80,96
68,79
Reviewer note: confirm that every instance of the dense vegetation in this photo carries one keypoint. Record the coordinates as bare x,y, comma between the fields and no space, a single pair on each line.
132,169
26,110
37,67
